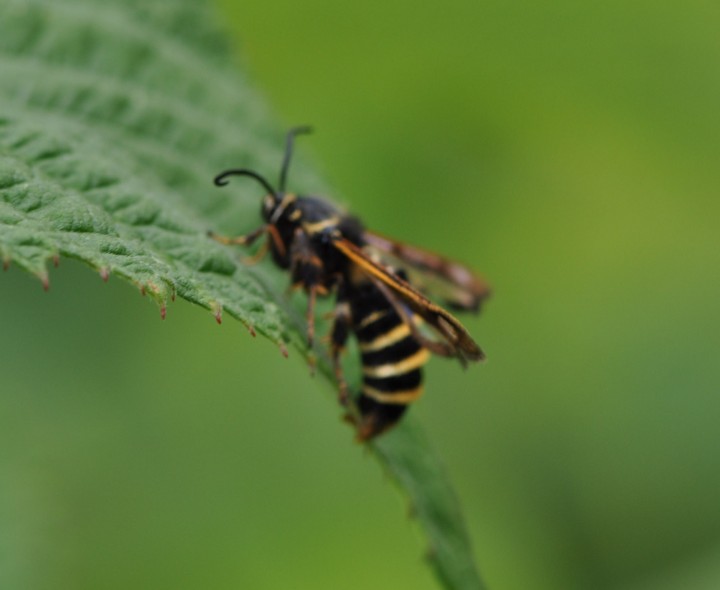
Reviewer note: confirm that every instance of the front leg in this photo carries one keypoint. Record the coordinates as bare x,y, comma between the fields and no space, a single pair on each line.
249,239
246,240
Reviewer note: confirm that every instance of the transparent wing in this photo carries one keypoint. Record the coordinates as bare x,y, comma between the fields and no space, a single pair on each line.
452,331
445,279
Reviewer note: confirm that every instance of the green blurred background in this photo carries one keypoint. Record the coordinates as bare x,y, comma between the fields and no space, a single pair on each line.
567,150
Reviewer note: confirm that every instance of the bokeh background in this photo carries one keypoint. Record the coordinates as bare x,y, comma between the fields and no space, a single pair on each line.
567,150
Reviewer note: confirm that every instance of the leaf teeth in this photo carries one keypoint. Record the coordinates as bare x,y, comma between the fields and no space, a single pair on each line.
284,350
56,260
105,274
158,294
6,262
44,279
217,311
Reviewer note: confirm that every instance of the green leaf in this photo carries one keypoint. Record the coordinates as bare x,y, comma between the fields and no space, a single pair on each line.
116,115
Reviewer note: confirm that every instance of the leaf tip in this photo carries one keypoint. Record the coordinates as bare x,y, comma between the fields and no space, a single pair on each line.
45,280
217,312
158,294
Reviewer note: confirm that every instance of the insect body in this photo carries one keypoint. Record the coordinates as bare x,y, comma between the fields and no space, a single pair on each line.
327,251
391,357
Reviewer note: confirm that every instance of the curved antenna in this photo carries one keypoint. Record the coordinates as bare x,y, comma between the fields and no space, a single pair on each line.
288,152
221,179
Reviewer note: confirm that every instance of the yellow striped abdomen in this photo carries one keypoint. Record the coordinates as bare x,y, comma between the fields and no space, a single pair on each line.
392,360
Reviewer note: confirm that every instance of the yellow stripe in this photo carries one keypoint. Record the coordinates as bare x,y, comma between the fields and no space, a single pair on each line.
388,339
371,318
318,226
404,366
398,397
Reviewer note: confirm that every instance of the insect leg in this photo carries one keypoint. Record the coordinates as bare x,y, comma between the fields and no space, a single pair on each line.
307,271
310,315
259,255
338,337
246,240
251,238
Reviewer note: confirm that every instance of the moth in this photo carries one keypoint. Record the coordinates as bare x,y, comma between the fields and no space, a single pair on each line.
329,252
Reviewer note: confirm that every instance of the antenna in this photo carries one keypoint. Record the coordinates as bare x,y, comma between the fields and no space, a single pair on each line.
288,152
221,179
